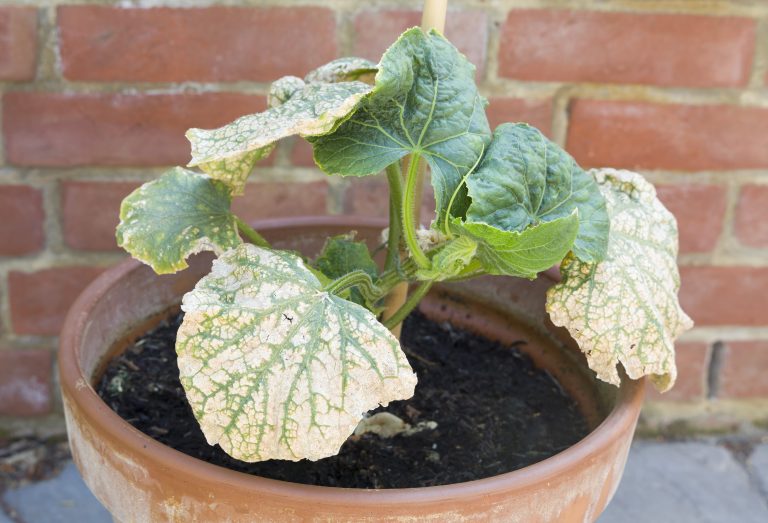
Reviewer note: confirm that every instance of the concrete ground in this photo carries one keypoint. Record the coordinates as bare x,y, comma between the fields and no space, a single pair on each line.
696,482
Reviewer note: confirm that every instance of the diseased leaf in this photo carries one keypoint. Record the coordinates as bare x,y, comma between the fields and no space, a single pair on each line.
525,179
342,255
521,253
625,309
181,213
345,69
276,368
283,89
230,152
450,260
424,101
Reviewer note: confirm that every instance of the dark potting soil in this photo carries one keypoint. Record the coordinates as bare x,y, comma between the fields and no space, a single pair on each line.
495,412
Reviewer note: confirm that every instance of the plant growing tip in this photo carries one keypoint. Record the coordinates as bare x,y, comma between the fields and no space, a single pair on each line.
281,356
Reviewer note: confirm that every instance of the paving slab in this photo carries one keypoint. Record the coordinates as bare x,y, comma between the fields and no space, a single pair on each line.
758,465
690,482
63,499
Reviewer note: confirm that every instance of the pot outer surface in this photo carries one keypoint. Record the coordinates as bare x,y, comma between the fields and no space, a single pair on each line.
140,480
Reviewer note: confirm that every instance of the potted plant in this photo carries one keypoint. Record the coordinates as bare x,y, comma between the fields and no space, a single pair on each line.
281,354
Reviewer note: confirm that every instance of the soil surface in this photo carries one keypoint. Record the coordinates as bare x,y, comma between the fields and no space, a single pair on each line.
495,412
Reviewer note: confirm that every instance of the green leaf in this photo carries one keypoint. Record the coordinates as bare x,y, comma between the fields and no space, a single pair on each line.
230,152
450,260
424,101
179,214
625,309
521,253
342,255
525,179
276,368
345,69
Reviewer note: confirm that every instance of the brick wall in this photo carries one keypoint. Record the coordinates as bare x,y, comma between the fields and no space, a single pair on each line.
96,98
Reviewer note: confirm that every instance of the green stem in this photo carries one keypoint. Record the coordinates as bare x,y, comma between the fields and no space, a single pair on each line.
252,236
410,210
410,304
389,278
395,179
359,279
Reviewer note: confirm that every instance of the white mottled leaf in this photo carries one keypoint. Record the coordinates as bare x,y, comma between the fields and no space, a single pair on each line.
283,89
345,69
181,213
625,308
230,152
276,368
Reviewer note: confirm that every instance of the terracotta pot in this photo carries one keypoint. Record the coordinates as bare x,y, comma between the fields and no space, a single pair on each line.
140,480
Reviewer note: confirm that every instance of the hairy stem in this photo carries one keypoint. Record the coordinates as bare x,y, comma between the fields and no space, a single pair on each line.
411,210
410,304
359,279
395,179
251,234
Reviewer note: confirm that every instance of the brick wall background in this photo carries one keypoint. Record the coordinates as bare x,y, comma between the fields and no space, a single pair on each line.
96,96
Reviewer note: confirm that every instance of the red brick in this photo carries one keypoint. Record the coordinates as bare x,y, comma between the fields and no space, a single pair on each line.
376,30
370,197
699,209
644,135
18,43
301,153
538,113
21,220
655,49
213,44
742,374
90,211
40,300
725,295
25,382
274,200
751,221
46,129
692,361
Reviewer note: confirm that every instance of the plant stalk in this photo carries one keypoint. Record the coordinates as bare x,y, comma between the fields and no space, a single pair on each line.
411,211
433,17
413,300
358,279
395,179
251,234
398,294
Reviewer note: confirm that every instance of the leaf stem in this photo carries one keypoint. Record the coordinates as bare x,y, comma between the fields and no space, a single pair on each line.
410,304
357,278
251,234
410,209
395,179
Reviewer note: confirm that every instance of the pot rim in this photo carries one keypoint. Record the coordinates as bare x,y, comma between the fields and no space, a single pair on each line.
77,386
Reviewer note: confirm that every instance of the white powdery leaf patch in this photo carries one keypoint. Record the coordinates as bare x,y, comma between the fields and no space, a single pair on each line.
342,70
276,368
625,309
230,152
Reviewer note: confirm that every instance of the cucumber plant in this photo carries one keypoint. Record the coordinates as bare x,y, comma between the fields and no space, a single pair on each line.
281,356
